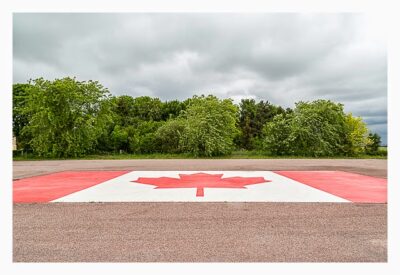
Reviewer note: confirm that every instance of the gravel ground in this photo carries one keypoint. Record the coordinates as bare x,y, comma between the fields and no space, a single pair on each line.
200,232
370,167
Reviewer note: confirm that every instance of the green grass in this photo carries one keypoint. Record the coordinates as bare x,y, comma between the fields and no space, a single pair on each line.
382,149
242,154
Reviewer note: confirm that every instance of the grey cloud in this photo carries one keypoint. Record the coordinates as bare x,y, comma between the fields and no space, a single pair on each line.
280,57
378,120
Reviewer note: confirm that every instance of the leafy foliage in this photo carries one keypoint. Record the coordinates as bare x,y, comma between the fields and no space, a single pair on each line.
66,116
278,140
147,108
356,135
143,139
69,118
210,126
372,147
318,128
169,136
20,117
252,118
172,109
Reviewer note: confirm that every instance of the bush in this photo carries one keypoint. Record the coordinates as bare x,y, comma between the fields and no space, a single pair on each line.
382,151
252,118
20,116
210,126
66,116
119,137
168,136
69,118
312,129
356,136
373,147
277,135
142,138
318,128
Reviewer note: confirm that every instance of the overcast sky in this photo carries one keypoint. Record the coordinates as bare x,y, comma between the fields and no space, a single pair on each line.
282,58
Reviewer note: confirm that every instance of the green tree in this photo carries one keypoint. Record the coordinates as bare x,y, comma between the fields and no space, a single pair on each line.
143,138
172,109
210,126
318,128
134,123
313,129
252,118
277,135
66,116
20,117
372,147
247,115
147,108
169,136
356,135
123,108
119,138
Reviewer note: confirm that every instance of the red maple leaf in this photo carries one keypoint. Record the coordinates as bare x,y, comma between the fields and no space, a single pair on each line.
201,181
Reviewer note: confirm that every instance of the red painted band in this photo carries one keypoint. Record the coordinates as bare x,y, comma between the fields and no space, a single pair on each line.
53,186
200,192
349,186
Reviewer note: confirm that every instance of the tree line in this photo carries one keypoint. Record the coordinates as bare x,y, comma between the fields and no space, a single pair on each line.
71,118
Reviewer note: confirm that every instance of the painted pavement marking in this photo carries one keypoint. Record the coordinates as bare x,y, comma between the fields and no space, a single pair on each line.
350,186
276,188
201,186
52,186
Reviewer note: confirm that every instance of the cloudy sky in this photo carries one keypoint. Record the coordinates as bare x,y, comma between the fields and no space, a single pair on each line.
282,58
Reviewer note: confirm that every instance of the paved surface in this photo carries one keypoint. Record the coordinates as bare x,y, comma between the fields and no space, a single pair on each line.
200,186
200,232
369,167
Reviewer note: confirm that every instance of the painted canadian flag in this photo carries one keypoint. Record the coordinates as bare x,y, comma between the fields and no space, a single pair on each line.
201,181
200,186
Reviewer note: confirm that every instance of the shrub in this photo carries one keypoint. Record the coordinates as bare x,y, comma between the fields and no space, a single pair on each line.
373,147
168,136
210,126
318,128
66,116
